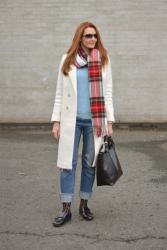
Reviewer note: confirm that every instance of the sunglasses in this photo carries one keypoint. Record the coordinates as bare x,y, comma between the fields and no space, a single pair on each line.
90,36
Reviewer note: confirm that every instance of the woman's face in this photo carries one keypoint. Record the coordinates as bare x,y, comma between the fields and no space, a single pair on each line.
89,38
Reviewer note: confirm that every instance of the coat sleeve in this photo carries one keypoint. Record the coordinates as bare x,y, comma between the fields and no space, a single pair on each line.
56,114
109,93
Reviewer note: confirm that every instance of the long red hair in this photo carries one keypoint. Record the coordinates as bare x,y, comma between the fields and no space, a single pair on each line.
72,51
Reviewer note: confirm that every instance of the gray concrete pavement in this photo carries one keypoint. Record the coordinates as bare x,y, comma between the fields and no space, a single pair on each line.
132,215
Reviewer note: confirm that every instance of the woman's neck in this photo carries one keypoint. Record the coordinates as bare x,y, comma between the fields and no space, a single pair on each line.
86,49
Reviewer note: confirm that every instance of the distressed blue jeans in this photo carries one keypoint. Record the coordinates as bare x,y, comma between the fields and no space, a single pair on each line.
67,176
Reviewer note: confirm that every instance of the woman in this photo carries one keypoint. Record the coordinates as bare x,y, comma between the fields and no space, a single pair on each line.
83,105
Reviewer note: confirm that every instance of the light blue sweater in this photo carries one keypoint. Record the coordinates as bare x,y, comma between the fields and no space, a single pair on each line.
83,102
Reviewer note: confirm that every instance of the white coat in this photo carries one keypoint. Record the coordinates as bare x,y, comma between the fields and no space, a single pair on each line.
65,109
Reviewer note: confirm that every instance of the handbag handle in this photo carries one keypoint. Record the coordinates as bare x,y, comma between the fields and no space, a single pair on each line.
108,142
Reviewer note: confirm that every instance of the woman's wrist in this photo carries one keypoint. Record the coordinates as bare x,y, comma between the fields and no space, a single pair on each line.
109,122
56,123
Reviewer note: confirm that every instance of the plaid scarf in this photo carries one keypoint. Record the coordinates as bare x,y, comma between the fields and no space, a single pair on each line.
97,103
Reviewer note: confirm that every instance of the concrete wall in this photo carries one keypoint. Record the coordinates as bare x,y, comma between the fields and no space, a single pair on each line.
35,33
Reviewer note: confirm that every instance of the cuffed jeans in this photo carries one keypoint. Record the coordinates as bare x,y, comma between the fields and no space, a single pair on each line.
67,176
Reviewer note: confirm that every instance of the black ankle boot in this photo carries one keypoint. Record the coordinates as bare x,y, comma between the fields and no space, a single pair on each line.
84,211
63,216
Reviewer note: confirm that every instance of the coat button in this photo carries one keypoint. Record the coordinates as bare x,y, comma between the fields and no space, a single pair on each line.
67,107
69,95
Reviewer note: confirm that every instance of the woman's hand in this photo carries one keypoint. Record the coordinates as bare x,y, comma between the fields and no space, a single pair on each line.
110,130
56,130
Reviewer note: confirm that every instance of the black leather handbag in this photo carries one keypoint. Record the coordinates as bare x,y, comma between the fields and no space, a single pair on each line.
108,167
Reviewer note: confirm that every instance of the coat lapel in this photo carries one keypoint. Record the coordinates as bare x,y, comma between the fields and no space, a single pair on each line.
73,77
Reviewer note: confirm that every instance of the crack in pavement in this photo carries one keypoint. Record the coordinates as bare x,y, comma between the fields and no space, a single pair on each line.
95,237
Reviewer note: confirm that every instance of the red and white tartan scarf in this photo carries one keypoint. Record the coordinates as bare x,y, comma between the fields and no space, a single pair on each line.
97,102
